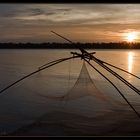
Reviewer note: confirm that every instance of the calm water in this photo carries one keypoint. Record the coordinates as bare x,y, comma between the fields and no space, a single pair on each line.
26,101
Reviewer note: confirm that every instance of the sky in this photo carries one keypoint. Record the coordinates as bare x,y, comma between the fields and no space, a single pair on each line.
78,22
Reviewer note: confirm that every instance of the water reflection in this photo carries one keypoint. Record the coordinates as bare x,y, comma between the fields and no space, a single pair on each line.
130,61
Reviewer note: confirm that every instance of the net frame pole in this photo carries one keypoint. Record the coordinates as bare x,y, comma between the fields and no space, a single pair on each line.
34,72
121,69
115,74
89,56
130,105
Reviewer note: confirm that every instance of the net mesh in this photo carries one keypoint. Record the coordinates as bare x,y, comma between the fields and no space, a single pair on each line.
85,87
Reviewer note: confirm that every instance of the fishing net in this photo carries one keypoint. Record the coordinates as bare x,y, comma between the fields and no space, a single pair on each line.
85,87
85,109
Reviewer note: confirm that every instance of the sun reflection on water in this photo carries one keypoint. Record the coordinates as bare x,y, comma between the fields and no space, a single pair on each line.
130,61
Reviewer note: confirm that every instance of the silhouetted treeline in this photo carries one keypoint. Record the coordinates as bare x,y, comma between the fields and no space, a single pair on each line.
122,45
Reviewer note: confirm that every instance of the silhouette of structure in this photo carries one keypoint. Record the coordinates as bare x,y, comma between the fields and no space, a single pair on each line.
84,78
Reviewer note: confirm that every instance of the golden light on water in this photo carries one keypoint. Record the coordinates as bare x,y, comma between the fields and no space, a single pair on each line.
130,61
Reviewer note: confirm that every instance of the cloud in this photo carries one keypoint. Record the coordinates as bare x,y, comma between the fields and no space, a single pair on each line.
76,13
35,11
82,21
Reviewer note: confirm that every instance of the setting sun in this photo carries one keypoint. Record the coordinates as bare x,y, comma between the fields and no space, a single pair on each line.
131,37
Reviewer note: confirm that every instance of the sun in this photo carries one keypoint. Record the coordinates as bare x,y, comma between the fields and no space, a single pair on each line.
131,36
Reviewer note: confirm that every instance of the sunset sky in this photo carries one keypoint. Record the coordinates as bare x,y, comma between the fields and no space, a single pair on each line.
78,22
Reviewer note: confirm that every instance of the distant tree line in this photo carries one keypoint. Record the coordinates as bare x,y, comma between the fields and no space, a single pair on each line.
121,45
